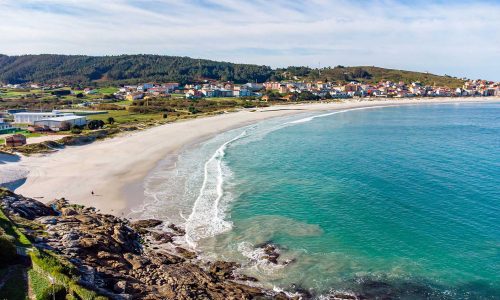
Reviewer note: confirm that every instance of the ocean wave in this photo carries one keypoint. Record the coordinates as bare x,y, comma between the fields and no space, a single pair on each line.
176,183
308,119
207,216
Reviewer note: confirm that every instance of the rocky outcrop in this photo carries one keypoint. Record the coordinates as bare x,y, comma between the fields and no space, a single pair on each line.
27,208
148,223
117,260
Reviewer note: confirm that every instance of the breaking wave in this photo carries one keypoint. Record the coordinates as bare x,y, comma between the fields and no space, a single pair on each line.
207,216
308,119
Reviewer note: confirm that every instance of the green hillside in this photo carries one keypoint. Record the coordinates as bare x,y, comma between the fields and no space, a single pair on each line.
368,74
47,68
106,70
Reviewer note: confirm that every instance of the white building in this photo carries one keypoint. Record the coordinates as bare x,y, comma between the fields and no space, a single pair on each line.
4,127
57,123
31,117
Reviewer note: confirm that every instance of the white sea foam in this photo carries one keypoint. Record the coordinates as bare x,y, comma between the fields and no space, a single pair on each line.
308,119
171,192
258,263
207,216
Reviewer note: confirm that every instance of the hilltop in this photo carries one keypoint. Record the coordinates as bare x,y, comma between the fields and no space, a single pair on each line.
71,69
122,69
369,74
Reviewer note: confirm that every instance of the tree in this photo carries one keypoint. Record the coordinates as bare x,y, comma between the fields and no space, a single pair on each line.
76,130
95,124
307,96
111,120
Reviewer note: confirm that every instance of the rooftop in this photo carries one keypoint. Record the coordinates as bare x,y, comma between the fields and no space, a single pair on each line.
64,118
30,113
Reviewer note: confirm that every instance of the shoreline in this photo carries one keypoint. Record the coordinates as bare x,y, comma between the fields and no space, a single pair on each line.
115,169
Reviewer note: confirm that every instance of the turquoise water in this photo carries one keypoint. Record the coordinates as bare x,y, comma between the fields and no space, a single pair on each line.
396,202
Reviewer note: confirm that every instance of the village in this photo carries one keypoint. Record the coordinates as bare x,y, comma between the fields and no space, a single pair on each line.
73,117
290,90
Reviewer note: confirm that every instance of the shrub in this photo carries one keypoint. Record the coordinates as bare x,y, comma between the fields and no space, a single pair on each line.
95,124
108,106
76,130
193,110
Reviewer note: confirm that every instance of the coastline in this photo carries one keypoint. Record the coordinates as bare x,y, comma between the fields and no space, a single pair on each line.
114,169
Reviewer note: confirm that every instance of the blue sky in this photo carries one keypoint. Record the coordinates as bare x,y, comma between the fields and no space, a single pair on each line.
460,38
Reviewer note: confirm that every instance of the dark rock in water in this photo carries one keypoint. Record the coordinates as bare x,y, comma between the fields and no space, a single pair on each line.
149,223
243,277
271,253
177,229
304,293
342,296
223,269
264,244
164,237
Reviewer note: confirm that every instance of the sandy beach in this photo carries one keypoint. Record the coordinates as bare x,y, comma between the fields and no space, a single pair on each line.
115,168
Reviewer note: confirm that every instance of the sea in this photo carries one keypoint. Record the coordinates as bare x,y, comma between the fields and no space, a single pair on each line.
396,202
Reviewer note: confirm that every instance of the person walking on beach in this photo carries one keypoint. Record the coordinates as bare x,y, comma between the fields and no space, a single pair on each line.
92,193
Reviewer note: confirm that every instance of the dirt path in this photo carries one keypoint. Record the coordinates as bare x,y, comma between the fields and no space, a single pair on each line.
31,295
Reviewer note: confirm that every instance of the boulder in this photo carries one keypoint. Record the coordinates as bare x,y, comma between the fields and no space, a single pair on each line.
137,262
185,253
25,207
120,287
223,269
148,223
177,229
67,211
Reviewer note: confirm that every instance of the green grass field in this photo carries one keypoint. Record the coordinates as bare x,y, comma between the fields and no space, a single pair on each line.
42,287
124,116
123,102
107,90
11,229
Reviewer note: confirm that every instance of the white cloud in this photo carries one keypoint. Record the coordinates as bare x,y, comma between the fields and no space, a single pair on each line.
458,38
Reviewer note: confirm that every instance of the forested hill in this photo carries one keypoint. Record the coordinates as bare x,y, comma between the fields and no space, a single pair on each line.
368,74
48,68
74,69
